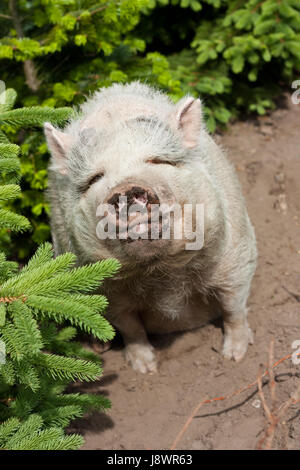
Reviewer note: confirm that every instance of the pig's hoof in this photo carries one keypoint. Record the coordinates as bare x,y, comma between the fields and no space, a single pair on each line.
236,341
141,357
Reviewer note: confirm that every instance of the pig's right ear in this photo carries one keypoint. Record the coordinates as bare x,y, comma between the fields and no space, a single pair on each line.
58,144
188,120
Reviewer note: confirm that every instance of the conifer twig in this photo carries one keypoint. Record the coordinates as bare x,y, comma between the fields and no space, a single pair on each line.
9,300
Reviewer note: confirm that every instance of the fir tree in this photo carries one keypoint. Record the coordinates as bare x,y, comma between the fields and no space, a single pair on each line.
38,358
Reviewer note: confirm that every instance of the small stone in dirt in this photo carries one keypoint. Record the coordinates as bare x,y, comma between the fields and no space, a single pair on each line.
218,373
266,130
279,177
253,168
256,403
281,204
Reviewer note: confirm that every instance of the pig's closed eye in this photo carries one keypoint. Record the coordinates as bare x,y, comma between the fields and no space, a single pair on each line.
91,181
160,161
95,178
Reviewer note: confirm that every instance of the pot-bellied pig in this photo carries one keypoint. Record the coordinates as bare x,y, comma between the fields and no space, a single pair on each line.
136,177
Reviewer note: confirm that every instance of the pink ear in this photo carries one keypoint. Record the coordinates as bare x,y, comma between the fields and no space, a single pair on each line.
189,119
58,144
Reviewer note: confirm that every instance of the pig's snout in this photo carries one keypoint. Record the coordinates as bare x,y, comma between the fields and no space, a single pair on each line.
134,195
133,206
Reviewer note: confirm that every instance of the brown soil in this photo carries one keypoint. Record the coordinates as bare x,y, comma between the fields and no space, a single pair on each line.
149,411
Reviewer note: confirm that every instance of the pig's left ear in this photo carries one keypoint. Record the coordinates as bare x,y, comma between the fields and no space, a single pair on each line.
188,120
58,143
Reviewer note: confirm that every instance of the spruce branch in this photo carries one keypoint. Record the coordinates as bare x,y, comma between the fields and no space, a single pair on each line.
62,309
49,439
8,150
7,373
27,428
30,435
34,273
7,268
61,415
42,255
67,367
8,428
83,279
26,327
45,291
66,334
14,345
27,375
13,221
10,170
9,191
35,116
3,138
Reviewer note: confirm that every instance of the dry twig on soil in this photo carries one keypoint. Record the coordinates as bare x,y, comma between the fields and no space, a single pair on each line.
274,414
280,412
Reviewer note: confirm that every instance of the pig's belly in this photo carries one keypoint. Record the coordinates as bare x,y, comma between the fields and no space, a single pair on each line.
195,314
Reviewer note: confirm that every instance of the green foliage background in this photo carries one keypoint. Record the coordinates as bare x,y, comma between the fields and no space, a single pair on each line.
235,54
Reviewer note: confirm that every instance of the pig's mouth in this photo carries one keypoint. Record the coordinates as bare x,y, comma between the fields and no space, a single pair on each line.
141,226
140,231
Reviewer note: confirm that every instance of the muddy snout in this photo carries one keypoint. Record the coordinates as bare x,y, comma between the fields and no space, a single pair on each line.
135,210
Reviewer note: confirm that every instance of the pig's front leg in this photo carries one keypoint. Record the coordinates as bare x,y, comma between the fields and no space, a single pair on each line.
237,333
138,351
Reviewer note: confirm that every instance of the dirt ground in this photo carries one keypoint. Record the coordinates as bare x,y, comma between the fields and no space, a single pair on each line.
149,411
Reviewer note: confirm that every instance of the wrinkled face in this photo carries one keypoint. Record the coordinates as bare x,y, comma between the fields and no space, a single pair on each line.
128,180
